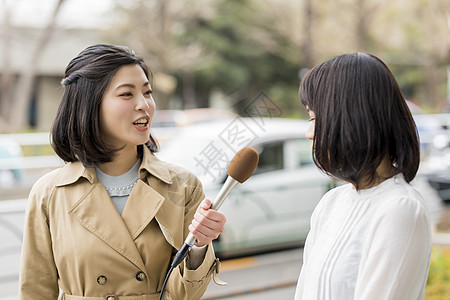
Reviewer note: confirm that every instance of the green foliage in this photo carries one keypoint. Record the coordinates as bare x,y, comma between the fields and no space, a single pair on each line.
241,67
438,283
37,150
408,78
243,47
287,97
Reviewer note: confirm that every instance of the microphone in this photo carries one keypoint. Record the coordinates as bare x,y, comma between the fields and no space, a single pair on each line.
240,169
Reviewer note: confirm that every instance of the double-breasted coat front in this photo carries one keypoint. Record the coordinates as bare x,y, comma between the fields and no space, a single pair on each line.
75,239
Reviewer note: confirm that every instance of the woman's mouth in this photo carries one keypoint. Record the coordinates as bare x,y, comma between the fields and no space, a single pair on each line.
141,122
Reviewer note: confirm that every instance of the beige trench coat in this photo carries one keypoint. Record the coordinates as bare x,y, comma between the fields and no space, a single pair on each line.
75,238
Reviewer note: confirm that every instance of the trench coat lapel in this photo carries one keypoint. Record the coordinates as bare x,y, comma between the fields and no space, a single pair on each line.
141,207
96,212
144,204
168,217
167,214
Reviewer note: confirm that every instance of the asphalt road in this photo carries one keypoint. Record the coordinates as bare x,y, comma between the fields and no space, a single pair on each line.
263,277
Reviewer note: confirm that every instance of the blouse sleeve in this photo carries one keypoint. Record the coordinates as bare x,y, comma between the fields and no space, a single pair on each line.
38,277
395,262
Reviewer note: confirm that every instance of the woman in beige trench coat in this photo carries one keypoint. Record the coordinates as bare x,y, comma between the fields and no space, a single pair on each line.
93,244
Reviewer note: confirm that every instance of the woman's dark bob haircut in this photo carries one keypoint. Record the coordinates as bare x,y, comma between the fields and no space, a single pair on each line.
76,132
361,117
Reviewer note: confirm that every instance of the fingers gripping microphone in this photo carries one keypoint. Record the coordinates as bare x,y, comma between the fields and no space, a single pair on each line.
240,169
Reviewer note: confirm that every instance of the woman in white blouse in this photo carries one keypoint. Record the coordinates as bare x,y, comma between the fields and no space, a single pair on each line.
370,238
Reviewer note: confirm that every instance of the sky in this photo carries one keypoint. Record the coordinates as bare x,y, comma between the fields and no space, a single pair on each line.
74,13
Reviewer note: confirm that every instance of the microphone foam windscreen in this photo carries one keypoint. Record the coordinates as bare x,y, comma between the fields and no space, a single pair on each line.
243,164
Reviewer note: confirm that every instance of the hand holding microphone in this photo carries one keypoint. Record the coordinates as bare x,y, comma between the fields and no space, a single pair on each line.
207,224
241,168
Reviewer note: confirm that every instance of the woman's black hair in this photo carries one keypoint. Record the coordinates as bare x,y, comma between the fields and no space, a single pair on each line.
361,117
76,134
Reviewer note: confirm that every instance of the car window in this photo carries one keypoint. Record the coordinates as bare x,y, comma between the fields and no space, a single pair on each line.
298,153
270,158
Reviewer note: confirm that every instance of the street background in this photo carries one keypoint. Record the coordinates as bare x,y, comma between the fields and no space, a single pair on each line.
221,55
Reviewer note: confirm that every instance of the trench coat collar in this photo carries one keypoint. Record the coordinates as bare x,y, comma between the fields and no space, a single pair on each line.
72,172
143,205
154,166
120,232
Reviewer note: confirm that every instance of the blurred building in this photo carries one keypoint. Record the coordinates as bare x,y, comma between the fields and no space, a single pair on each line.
64,44
37,40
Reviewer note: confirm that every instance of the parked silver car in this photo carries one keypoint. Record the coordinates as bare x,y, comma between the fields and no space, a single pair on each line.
272,209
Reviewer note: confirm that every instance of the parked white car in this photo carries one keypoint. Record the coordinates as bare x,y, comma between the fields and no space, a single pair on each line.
272,209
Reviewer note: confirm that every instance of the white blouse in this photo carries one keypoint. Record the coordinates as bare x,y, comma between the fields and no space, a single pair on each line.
368,244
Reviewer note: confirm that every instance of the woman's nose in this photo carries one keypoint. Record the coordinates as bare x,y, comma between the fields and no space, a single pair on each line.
142,104
310,131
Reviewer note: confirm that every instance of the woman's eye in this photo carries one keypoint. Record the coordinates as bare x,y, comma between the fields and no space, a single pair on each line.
148,93
311,119
127,94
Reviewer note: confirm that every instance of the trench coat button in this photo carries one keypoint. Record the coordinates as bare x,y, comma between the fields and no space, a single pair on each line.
140,276
101,280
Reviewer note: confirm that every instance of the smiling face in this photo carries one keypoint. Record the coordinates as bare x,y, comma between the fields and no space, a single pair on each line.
127,108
